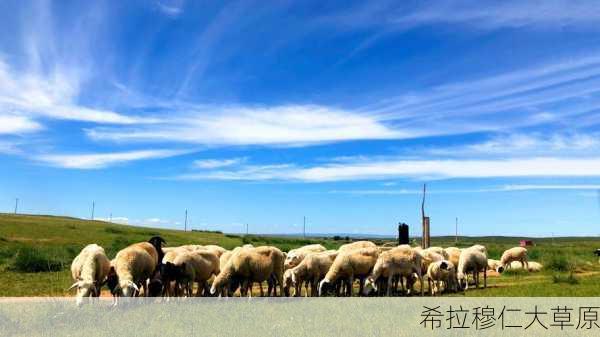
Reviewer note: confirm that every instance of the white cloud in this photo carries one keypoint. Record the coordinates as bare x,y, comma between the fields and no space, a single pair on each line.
528,187
11,124
102,160
280,125
414,169
116,219
217,163
532,144
170,8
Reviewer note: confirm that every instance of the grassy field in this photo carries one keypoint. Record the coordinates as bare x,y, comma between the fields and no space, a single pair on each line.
36,252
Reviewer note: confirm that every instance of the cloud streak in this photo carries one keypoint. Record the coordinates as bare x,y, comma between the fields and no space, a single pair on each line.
102,160
279,125
412,169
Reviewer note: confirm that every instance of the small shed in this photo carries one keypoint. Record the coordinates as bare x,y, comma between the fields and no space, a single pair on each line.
526,243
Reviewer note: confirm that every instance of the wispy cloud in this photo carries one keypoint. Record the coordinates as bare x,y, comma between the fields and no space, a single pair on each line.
102,160
413,169
520,144
279,125
11,124
553,14
218,163
170,7
503,188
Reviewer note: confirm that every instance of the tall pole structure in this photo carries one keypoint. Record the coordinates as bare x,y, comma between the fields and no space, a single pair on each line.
246,229
185,222
110,219
16,205
93,209
456,229
304,228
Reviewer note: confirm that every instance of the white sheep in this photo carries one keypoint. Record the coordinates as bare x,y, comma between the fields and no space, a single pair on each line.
480,248
350,264
311,271
439,251
453,255
196,266
295,256
133,266
471,260
495,265
402,261
532,266
248,265
514,254
356,245
89,270
438,273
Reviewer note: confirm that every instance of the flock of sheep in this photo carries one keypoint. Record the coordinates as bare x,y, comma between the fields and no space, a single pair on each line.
149,269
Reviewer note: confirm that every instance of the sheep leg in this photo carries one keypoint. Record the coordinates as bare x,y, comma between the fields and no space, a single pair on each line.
422,283
350,284
485,278
390,280
361,285
261,289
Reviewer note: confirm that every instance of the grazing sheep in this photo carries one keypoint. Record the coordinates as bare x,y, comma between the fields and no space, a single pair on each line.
288,283
514,254
350,264
89,270
133,266
453,255
248,265
312,270
402,261
356,245
441,272
195,266
471,260
295,256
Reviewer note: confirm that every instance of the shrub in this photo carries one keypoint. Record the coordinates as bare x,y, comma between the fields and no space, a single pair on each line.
114,230
32,260
569,279
559,263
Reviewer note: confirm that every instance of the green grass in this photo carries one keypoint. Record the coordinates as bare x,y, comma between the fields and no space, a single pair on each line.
36,252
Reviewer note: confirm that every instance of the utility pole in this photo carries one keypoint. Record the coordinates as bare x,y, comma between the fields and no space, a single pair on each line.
456,229
185,222
246,229
16,205
110,218
93,209
304,228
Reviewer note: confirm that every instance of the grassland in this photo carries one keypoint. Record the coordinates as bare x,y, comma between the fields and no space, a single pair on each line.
36,251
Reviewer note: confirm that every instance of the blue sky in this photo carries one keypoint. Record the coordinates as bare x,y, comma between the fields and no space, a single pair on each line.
261,112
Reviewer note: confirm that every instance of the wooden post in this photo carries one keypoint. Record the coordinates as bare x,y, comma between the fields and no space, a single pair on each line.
425,222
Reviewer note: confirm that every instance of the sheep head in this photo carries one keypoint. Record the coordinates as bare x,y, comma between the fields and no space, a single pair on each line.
370,286
291,260
84,289
325,286
127,288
